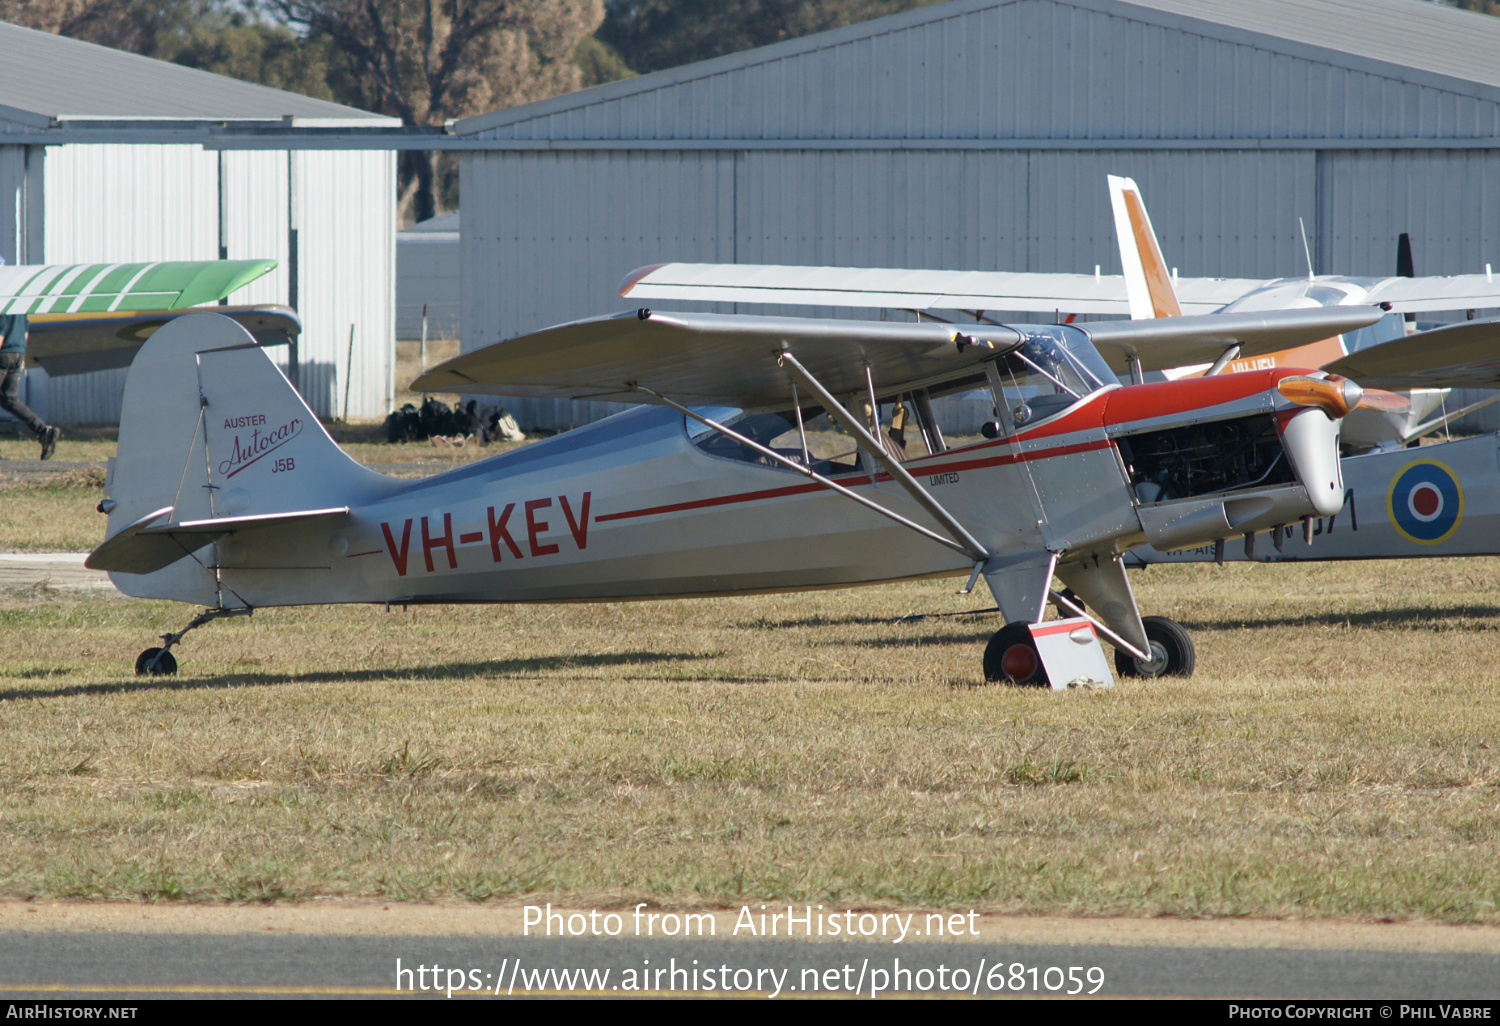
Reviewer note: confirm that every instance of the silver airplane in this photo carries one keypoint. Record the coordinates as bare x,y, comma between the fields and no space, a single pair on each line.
228,493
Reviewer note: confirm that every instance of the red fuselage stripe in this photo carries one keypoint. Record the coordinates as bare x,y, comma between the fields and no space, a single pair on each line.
936,468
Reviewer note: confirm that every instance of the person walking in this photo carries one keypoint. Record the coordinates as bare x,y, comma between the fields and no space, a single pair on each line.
13,328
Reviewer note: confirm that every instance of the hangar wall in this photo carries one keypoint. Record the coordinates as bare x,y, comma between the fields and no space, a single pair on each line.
180,202
427,276
588,218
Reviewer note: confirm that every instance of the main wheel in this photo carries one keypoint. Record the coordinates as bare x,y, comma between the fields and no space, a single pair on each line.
1011,657
166,663
1172,651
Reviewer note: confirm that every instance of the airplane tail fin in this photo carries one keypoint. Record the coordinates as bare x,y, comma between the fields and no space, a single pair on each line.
210,428
1148,285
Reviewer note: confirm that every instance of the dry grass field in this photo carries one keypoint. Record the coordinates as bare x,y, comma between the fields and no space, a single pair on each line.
1334,757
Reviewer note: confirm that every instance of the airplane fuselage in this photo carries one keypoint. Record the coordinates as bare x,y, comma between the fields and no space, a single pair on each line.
631,508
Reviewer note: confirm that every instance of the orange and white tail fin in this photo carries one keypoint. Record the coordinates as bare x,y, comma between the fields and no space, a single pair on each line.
1148,285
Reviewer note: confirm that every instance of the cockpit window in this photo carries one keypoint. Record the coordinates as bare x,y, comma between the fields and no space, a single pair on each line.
1053,369
904,423
1389,328
827,452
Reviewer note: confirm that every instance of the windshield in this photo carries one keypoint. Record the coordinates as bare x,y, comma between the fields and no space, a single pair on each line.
1389,328
1054,368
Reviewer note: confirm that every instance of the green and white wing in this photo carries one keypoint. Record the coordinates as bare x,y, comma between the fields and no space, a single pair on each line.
109,288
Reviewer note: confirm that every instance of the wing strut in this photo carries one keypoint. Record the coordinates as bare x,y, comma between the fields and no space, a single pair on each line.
967,543
806,472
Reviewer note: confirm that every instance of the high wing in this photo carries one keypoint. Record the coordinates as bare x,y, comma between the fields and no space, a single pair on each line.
899,289
1432,294
107,288
63,344
1165,342
721,359
1463,355
733,360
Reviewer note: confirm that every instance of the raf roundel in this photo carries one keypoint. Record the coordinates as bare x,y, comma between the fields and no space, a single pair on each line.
1426,502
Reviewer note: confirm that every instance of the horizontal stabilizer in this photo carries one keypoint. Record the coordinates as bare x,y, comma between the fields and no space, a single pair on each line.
1465,355
1177,341
63,344
153,542
131,552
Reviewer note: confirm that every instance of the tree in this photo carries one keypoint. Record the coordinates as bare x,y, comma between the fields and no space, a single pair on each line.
229,42
426,61
134,25
655,34
211,35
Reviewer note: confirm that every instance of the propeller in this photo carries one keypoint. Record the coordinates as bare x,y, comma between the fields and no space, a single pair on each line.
1338,396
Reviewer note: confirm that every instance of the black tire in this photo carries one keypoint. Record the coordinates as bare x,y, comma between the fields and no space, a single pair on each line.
166,665
1170,643
1011,658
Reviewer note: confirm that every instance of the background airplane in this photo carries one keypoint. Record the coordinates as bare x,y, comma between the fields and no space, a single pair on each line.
973,292
91,317
1152,293
1146,289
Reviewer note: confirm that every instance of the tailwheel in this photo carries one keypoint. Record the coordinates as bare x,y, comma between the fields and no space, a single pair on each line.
157,662
160,662
1011,658
1172,651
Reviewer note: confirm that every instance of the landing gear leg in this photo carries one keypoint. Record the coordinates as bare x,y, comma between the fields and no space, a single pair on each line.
159,662
1172,652
1011,658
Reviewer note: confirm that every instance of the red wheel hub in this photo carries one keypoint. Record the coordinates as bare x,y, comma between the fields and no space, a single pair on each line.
1019,662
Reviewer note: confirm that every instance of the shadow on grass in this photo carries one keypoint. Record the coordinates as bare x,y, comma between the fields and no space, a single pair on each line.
951,638
1421,617
862,621
442,671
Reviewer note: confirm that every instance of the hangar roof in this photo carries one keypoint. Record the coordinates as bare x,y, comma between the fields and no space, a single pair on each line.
1417,41
44,77
1419,34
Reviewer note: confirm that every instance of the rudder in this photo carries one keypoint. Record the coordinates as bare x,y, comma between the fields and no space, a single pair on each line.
212,428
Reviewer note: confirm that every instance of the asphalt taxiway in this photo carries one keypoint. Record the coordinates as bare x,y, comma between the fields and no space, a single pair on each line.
79,951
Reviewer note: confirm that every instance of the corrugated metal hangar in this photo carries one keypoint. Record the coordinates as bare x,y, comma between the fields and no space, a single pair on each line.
427,278
106,155
977,134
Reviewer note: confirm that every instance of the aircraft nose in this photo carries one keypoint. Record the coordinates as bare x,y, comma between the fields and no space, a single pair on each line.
1353,394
